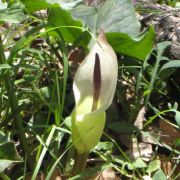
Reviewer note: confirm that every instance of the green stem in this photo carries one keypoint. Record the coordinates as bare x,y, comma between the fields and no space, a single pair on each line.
153,77
9,85
79,162
4,176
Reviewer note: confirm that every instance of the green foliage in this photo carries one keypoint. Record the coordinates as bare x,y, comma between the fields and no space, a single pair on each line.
177,117
153,166
109,17
12,14
33,5
36,74
123,127
69,34
8,153
168,2
159,175
138,47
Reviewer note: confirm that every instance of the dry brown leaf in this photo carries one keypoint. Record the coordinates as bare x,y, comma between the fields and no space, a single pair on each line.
107,174
76,55
56,175
40,176
166,165
152,137
140,149
168,133
140,118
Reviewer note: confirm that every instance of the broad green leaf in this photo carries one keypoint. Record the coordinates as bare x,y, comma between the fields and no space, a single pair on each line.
123,127
130,166
177,117
159,175
65,4
153,166
171,64
165,73
138,47
162,46
5,66
59,17
13,14
111,16
122,161
8,155
36,5
139,163
104,146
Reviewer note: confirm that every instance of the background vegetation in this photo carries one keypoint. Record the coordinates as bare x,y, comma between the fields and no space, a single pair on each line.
41,45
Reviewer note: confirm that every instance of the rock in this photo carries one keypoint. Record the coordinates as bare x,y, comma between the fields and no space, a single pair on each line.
166,22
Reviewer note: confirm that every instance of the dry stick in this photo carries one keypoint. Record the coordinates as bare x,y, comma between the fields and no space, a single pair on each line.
15,111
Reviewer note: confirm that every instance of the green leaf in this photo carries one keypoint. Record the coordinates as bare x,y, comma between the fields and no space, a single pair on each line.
13,14
159,175
5,66
104,146
90,171
177,117
44,91
67,122
138,47
3,137
65,4
153,166
162,46
112,16
177,142
69,33
139,163
34,5
171,64
123,127
8,155
177,5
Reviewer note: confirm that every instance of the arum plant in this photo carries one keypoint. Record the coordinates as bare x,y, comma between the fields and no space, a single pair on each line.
94,87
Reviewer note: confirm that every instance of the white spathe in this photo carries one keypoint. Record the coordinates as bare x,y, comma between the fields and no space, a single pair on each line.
88,125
